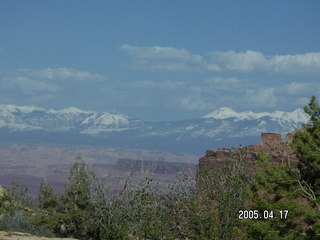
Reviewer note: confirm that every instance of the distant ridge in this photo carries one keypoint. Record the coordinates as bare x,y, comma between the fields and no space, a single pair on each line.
297,115
221,128
36,118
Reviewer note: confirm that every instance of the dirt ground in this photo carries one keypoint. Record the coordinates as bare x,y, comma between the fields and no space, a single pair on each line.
25,236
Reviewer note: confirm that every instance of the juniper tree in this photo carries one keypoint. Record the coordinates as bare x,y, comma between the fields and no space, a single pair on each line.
306,145
47,198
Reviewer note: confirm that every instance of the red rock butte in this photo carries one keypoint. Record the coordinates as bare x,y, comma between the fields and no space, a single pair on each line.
278,150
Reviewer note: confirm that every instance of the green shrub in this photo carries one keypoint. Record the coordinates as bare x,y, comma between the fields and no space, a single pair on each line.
18,222
21,222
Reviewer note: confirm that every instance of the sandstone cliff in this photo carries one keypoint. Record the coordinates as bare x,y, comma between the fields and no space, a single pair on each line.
278,150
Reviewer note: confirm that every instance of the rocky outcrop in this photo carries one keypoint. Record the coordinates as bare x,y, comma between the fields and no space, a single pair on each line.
272,144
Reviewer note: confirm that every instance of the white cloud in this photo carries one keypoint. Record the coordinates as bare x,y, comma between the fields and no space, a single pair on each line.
164,85
297,87
164,58
173,59
45,83
161,53
222,81
195,99
191,103
303,101
222,84
307,64
218,92
302,88
300,64
62,73
262,97
242,94
30,85
244,61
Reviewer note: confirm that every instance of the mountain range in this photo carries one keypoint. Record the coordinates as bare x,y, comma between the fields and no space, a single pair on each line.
221,128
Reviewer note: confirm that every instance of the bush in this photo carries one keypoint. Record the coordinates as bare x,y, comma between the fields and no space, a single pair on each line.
17,222
21,222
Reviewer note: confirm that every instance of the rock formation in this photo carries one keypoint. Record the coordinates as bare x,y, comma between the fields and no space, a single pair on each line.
272,144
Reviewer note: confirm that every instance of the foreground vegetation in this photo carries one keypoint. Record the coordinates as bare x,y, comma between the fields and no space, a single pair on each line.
222,204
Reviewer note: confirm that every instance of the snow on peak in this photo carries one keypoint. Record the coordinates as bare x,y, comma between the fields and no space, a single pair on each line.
297,115
106,119
25,109
222,113
31,117
70,110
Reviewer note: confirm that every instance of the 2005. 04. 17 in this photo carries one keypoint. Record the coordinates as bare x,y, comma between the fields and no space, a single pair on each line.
265,214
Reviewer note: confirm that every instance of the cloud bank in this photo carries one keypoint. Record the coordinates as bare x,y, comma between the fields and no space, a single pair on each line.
307,64
38,86
163,58
173,59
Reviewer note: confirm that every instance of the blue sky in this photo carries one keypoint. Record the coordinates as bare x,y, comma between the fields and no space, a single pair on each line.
160,60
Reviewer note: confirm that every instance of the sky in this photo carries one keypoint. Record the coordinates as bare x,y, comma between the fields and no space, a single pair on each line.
160,60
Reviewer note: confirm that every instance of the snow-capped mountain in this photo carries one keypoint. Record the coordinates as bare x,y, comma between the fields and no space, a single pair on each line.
221,128
288,121
296,116
35,118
